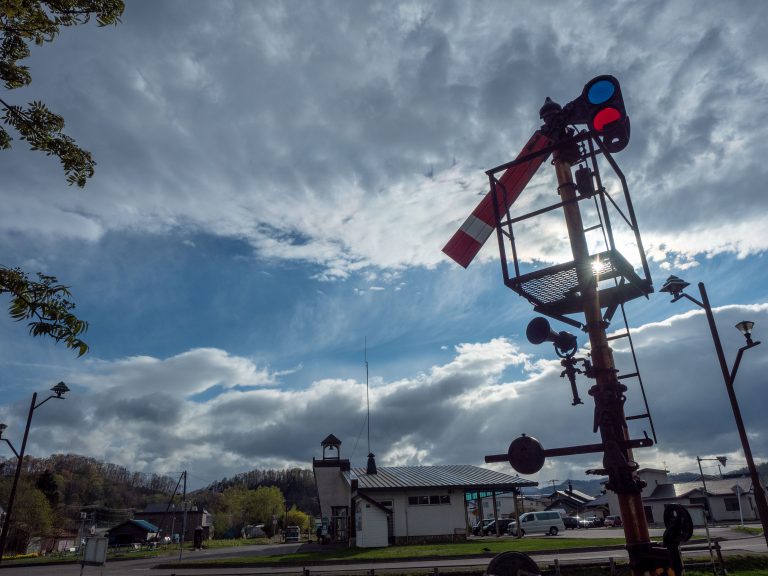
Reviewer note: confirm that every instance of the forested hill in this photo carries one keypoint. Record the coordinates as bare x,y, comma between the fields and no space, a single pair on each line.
296,484
74,483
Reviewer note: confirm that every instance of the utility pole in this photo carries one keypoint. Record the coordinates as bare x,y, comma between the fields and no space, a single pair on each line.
586,285
607,392
184,515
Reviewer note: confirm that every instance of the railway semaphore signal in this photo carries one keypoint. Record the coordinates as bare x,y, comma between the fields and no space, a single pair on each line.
584,293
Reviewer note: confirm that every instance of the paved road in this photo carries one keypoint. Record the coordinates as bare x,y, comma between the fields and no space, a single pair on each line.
723,532
735,543
145,566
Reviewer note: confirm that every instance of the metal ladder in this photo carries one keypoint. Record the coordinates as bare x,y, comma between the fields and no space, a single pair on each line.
600,193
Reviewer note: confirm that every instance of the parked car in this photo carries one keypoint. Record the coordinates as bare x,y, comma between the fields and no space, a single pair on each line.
479,528
490,528
613,521
570,522
597,521
292,534
585,522
547,522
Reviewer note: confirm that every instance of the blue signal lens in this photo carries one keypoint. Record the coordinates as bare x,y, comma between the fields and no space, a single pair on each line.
601,91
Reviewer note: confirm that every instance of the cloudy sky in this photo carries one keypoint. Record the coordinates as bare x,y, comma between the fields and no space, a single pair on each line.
276,180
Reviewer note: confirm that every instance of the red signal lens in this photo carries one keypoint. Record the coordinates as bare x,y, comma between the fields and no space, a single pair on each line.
605,117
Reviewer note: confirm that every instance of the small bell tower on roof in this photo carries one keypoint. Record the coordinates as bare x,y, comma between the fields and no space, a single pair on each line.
331,455
331,448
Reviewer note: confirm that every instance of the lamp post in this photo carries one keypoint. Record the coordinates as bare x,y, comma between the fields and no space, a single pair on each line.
58,392
721,460
675,287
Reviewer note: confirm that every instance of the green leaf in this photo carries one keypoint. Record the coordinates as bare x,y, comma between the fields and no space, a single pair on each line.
46,303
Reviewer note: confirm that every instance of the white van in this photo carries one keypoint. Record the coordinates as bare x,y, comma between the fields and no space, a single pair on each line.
549,522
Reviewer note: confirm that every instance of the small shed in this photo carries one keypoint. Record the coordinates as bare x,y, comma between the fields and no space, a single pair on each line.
132,532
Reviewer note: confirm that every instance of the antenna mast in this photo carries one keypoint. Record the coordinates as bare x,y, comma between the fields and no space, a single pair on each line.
367,396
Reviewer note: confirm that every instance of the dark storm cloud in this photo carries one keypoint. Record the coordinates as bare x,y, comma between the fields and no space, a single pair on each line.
150,409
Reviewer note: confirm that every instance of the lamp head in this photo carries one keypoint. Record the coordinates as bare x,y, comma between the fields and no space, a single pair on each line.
745,327
60,389
539,331
721,459
675,287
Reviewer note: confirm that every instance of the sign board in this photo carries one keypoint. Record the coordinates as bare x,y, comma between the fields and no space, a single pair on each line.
469,496
95,551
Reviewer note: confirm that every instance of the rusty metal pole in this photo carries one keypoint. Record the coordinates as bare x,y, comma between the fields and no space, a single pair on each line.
607,391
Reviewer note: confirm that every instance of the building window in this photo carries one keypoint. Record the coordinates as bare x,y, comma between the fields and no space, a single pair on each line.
648,514
431,500
731,504
700,502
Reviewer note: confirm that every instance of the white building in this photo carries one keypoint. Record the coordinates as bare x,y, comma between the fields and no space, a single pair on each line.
377,506
727,499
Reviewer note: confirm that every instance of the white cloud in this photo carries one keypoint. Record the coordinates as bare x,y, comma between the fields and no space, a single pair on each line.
186,374
139,411
308,134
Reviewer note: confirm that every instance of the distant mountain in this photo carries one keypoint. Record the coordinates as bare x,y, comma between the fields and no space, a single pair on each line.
592,487
684,477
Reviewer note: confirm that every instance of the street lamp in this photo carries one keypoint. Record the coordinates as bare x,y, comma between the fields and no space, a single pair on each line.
675,287
2,429
721,460
58,392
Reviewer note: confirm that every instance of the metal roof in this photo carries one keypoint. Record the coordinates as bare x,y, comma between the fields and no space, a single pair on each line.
330,440
456,476
162,508
601,500
148,526
725,487
575,495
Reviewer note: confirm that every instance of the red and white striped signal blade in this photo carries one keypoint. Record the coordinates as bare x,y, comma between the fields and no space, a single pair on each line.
467,241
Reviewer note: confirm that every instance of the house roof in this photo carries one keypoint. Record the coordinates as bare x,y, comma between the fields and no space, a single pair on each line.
143,524
456,476
148,526
330,440
572,495
162,508
725,487
601,500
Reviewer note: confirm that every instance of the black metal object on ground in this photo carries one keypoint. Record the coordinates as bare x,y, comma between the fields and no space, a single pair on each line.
512,564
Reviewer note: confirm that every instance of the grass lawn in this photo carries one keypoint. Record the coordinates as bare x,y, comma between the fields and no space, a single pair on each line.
469,548
170,551
748,530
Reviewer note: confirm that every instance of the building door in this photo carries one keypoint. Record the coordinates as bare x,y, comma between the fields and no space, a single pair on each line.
390,520
339,525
